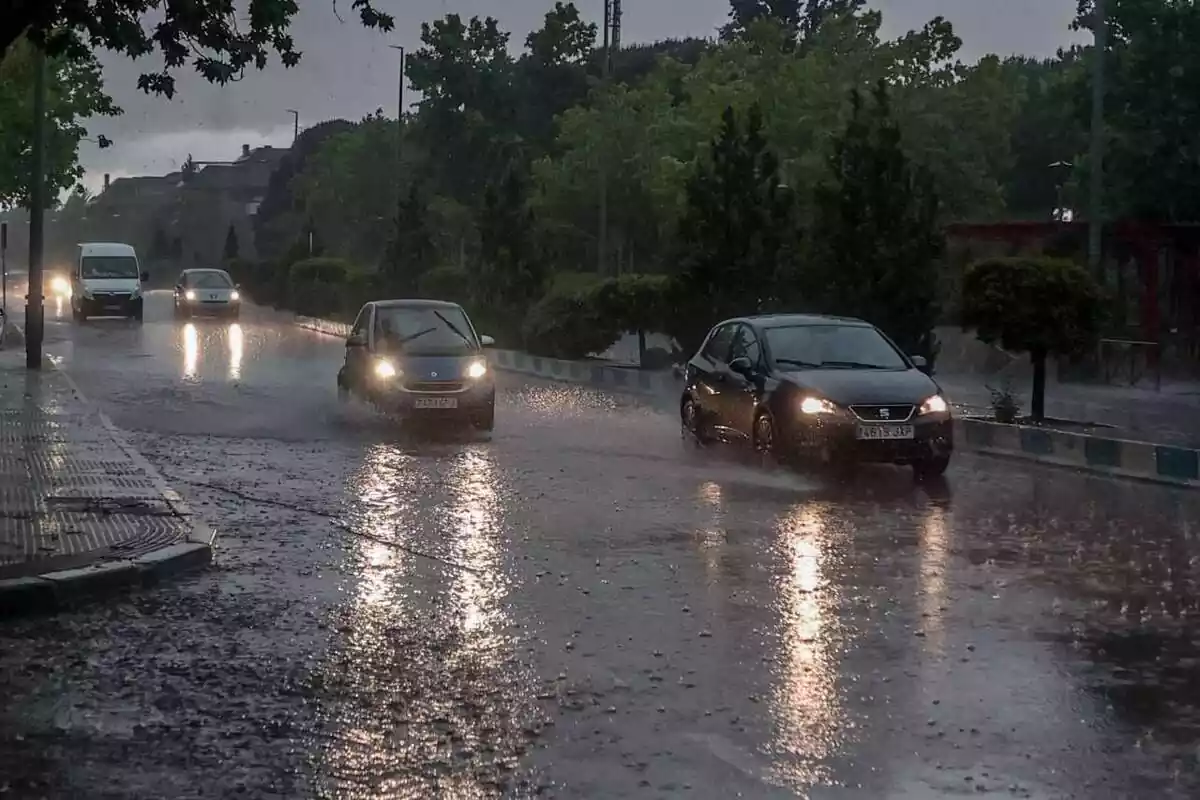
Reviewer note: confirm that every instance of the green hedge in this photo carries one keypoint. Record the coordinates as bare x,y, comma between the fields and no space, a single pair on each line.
577,319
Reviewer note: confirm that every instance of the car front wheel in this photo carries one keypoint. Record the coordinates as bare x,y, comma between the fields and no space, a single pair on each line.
931,467
486,421
689,420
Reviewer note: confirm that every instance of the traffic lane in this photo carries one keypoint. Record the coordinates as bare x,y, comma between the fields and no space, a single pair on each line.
571,478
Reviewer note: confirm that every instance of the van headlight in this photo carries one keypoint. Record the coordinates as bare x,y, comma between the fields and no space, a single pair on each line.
934,405
385,369
477,369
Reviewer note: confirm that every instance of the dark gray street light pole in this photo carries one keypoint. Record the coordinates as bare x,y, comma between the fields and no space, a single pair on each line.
34,319
295,124
1096,150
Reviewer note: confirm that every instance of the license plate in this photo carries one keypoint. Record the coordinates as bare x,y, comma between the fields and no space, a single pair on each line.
888,432
436,402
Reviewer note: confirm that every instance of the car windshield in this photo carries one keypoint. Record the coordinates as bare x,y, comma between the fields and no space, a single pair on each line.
209,280
832,347
423,329
109,267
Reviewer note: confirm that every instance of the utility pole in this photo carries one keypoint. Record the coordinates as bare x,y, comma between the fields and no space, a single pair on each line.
1096,150
34,320
612,40
295,124
399,118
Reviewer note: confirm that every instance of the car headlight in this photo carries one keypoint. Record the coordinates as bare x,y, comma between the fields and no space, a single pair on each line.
384,369
60,285
477,370
234,296
816,405
189,295
935,405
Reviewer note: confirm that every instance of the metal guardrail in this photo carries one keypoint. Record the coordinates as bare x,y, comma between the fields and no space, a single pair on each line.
1130,362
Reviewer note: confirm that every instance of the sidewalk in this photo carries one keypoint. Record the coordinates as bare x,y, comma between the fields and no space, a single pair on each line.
80,510
1170,416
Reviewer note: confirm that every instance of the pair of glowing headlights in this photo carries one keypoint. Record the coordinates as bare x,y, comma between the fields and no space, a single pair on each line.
234,296
385,369
935,404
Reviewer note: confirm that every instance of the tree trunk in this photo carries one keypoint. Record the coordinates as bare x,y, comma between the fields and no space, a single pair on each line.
1038,400
641,347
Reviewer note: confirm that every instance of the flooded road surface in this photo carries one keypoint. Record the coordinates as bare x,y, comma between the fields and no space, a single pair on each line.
584,606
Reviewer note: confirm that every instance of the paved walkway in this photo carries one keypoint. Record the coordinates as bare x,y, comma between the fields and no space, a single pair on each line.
71,493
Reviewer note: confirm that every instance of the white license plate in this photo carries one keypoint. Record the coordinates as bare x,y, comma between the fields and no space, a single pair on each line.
436,402
889,432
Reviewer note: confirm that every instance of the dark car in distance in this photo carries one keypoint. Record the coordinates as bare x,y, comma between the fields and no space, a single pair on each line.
420,360
830,389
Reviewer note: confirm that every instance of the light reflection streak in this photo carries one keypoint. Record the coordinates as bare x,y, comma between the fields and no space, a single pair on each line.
236,348
712,537
805,699
934,560
191,351
476,539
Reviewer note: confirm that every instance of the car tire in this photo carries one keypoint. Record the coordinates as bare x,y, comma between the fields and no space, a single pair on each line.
931,467
486,422
80,314
343,391
764,438
137,315
689,420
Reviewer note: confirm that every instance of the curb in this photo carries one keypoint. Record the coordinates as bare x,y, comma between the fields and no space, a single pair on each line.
54,591
1113,457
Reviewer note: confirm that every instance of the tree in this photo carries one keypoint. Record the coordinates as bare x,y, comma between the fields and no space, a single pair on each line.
216,35
231,250
74,92
735,231
512,275
410,251
876,240
1038,306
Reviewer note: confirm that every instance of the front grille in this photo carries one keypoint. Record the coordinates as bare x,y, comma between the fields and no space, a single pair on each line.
434,386
884,413
111,297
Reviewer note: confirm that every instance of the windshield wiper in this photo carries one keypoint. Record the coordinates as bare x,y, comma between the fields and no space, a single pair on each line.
795,363
851,365
417,335
452,327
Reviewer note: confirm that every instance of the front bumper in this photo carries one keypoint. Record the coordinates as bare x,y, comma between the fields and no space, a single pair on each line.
110,303
210,306
467,399
836,437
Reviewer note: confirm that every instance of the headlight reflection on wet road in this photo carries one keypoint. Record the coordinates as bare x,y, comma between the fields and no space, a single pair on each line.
477,538
935,535
191,351
805,701
236,349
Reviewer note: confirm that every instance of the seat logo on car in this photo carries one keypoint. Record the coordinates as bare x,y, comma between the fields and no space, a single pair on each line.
433,374
885,413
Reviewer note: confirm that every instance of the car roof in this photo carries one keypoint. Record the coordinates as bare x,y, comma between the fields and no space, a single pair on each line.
107,248
414,303
204,269
797,320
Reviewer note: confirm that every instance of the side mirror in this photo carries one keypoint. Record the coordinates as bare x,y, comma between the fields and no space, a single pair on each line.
920,363
356,340
145,276
742,366
487,341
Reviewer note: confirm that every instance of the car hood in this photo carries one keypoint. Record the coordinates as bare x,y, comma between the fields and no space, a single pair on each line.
436,367
865,386
111,284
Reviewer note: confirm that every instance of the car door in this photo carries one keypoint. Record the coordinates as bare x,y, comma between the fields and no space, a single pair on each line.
358,358
740,400
710,373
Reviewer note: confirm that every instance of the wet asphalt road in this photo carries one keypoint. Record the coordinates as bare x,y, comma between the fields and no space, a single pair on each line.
585,606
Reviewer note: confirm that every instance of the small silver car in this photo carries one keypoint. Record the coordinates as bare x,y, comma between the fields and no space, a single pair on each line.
206,292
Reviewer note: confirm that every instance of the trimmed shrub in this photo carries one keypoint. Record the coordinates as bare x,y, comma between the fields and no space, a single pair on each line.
578,317
319,287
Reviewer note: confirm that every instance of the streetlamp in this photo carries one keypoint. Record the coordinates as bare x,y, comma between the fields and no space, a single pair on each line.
1062,169
295,124
34,321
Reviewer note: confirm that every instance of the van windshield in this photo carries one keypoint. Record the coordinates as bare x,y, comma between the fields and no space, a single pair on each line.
109,267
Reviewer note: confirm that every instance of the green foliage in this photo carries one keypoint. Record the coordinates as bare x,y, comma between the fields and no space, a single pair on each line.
736,231
74,93
1039,306
512,275
876,242
447,282
411,249
580,318
324,287
216,36
231,249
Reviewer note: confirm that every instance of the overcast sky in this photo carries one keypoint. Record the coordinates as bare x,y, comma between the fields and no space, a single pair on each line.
349,72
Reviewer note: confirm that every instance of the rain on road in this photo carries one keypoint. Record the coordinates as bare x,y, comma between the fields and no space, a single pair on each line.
584,606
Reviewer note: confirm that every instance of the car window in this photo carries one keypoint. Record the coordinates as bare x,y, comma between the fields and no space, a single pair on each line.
745,343
424,329
210,279
717,347
98,267
832,347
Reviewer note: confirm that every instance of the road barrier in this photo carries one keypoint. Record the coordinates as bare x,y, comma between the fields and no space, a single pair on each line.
1125,458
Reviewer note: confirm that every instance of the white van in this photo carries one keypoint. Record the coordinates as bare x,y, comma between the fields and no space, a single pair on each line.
107,282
